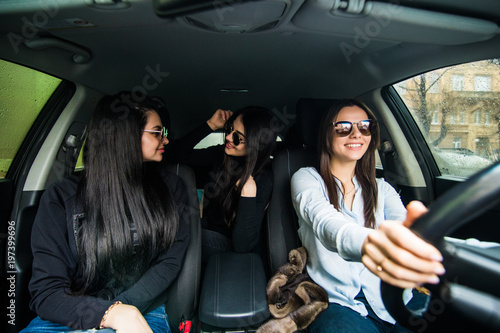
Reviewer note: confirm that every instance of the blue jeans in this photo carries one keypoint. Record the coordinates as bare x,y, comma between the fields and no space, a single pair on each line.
340,319
157,320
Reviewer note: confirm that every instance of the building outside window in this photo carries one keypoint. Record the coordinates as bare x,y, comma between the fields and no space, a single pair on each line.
477,117
435,117
457,82
453,117
482,83
462,117
468,95
487,117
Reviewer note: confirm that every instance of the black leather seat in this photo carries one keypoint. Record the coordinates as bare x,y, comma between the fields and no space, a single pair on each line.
183,294
282,222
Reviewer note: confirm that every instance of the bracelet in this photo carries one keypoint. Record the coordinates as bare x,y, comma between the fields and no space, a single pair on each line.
101,326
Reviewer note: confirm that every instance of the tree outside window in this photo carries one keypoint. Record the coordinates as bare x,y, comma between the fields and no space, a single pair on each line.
433,83
401,87
435,117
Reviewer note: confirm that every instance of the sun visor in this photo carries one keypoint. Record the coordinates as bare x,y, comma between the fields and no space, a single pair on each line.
386,21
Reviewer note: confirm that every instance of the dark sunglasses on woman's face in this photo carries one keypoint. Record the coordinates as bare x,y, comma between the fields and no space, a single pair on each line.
236,138
365,127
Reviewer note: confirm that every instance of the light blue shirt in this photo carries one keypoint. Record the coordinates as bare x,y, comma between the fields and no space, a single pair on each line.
333,239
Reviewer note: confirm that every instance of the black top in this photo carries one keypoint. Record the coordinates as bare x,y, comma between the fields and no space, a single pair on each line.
245,233
55,260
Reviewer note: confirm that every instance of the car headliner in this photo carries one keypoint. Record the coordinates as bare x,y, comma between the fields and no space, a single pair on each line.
309,53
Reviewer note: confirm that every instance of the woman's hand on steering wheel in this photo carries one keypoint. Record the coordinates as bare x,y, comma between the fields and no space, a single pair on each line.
398,256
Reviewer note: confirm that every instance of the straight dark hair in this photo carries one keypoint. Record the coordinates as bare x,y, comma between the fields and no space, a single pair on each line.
365,167
119,193
260,141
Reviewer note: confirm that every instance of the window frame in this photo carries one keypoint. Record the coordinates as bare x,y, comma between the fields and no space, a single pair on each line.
457,81
414,137
477,117
478,82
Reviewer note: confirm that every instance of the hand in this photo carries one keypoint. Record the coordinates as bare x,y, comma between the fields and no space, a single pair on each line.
249,189
218,119
125,318
398,256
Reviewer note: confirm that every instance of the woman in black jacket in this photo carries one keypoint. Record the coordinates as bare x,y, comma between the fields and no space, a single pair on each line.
239,184
107,244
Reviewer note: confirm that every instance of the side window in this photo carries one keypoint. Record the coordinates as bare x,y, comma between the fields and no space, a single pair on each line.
458,111
216,138
23,92
213,139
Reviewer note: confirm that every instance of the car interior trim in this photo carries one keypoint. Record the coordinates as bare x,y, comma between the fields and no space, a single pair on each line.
45,162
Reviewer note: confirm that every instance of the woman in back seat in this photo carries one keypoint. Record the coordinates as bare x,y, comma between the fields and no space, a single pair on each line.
239,185
342,209
106,245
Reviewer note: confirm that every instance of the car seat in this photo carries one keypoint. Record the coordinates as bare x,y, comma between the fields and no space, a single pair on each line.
282,222
183,294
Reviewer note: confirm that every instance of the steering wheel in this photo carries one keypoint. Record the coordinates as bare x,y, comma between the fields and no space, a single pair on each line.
469,292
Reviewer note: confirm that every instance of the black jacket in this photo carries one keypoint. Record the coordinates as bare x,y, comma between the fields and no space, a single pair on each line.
55,260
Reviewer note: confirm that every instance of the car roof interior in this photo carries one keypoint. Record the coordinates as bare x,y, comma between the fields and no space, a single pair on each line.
269,52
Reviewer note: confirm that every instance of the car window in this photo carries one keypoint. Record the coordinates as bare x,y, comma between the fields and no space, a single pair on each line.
79,161
216,138
23,92
213,139
458,111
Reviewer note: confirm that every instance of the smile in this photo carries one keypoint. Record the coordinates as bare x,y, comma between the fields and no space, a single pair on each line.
354,145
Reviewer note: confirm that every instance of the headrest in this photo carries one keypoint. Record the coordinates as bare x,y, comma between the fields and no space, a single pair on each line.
310,111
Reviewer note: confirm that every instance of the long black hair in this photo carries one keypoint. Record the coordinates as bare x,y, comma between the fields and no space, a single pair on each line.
118,196
365,168
260,141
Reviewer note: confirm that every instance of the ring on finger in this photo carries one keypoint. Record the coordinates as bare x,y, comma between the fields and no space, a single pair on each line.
379,266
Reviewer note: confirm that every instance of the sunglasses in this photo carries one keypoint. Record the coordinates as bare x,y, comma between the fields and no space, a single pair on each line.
365,127
236,138
159,133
